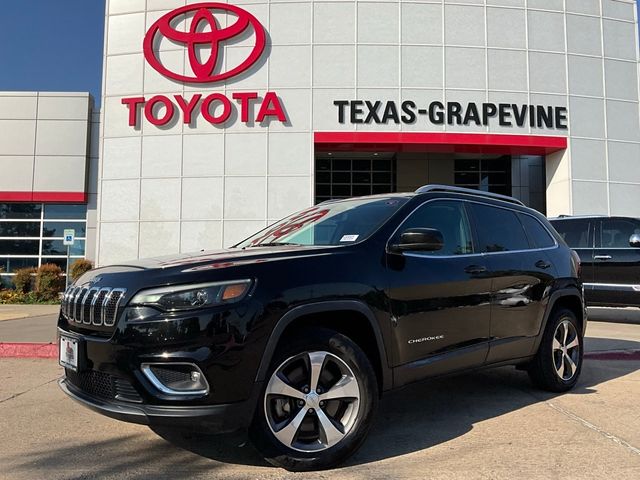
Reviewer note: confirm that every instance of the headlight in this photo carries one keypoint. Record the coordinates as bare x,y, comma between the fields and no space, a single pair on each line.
189,297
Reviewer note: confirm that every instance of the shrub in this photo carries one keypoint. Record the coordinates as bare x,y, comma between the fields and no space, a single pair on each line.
12,296
49,281
24,279
79,267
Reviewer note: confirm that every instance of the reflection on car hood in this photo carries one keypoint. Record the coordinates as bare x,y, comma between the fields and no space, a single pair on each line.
217,259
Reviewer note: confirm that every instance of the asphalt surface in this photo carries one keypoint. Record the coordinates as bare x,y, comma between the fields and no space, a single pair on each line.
488,424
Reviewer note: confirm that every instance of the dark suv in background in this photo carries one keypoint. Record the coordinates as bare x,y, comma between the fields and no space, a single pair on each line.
609,249
296,331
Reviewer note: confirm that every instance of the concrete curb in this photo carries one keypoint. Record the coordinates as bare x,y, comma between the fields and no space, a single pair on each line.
28,350
613,355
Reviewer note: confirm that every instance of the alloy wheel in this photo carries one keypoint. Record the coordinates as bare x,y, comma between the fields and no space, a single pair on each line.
565,350
311,401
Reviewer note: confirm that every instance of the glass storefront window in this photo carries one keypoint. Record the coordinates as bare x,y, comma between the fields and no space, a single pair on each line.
21,210
19,229
61,262
31,235
19,247
354,177
56,247
10,265
56,229
75,212
489,175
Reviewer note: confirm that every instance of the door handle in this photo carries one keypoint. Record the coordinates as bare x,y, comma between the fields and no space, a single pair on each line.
475,269
602,257
542,264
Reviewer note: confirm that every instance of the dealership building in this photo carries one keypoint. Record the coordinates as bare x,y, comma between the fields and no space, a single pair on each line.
218,119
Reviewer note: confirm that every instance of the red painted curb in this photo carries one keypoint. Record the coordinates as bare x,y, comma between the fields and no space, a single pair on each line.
28,350
614,355
50,350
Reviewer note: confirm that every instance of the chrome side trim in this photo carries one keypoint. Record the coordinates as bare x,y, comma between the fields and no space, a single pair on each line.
619,286
474,254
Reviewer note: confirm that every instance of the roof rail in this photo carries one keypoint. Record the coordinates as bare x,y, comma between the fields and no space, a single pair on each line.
468,191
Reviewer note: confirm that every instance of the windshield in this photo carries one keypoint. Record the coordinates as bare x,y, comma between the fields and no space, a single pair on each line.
335,223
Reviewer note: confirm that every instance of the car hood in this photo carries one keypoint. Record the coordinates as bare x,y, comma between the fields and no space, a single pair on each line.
185,263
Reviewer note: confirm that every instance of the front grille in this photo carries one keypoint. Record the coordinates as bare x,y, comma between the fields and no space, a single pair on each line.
104,386
125,391
94,383
96,306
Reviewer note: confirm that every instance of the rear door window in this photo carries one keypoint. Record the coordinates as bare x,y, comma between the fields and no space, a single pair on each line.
577,233
537,233
499,229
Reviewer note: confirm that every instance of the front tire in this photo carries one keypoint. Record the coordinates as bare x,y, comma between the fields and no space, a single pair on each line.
558,363
317,405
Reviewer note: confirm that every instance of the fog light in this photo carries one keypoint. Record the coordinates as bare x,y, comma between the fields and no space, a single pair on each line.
178,379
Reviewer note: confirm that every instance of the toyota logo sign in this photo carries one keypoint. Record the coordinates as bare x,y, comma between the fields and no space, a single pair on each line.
204,33
197,29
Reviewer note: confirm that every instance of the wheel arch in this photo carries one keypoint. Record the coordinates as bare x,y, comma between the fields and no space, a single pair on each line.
361,327
569,298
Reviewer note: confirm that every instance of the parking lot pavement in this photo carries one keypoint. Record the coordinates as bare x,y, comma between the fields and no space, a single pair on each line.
484,425
487,424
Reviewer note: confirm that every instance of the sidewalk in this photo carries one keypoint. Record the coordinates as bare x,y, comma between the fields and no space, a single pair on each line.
12,312
28,323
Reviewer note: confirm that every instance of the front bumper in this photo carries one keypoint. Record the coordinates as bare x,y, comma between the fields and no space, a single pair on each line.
219,418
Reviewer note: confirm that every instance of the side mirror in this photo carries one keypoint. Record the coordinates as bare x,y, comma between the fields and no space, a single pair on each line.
419,239
634,240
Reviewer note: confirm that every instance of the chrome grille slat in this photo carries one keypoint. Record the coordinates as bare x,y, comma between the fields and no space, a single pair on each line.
103,310
110,308
86,305
96,304
76,298
68,297
73,300
92,306
77,305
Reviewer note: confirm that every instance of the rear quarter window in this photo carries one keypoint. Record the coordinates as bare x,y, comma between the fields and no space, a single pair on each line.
537,233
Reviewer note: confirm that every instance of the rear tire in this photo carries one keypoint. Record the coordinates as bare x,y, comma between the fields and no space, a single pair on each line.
317,404
558,363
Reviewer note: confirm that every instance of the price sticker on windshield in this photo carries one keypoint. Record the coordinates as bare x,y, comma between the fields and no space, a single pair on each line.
349,238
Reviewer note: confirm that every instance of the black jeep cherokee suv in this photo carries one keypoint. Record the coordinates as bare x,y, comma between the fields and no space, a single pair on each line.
296,331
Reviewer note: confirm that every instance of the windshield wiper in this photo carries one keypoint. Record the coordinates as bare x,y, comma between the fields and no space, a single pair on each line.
274,244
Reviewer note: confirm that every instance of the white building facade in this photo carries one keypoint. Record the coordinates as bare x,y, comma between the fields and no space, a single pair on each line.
220,118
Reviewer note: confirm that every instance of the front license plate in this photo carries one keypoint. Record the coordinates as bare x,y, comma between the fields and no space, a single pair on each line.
69,353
